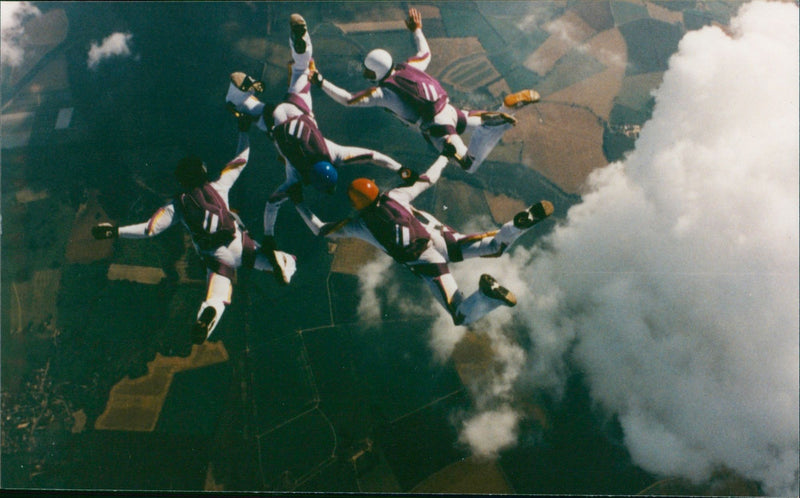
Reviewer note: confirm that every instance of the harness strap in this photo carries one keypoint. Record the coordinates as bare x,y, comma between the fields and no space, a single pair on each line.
298,102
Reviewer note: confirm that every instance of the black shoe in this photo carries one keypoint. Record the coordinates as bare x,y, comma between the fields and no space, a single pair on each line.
533,215
465,161
203,324
298,27
489,287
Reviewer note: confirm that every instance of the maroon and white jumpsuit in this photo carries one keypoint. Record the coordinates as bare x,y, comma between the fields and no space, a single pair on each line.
297,103
221,262
445,245
446,125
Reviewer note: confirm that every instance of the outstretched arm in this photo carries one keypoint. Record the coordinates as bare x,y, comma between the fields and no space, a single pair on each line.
371,97
422,58
162,219
314,223
424,182
345,154
235,166
319,227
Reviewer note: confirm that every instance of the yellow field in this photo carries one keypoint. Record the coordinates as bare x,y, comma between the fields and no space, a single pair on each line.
135,404
82,247
26,195
142,274
466,476
351,254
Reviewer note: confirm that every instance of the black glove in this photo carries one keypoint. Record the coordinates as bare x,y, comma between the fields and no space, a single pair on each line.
268,248
409,176
268,244
249,82
105,231
244,121
449,150
296,193
316,79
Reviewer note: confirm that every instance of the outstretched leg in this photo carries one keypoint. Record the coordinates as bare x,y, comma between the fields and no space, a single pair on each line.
242,89
445,290
218,296
285,263
494,243
488,297
490,126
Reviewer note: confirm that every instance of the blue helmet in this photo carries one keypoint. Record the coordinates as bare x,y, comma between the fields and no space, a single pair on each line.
324,176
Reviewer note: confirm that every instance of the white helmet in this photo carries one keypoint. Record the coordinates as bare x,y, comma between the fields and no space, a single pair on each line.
379,61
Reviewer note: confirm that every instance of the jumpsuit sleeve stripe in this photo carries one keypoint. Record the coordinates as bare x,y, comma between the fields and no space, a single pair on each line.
234,164
362,95
477,236
360,157
419,58
150,230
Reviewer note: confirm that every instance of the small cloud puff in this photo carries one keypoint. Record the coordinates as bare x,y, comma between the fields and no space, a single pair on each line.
489,432
12,17
113,45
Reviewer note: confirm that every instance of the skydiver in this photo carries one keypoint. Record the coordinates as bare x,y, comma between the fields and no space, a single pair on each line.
218,235
419,100
419,241
310,158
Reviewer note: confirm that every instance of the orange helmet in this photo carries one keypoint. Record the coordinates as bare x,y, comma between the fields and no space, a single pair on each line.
362,192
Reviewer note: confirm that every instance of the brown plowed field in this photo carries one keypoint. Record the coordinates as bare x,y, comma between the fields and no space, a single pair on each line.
598,91
565,147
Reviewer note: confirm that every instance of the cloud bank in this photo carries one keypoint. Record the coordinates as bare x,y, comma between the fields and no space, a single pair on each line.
674,284
12,17
113,45
677,277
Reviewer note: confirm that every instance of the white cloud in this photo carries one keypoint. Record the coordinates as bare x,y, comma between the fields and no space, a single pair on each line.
565,31
12,17
372,276
491,431
674,284
115,44
677,277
